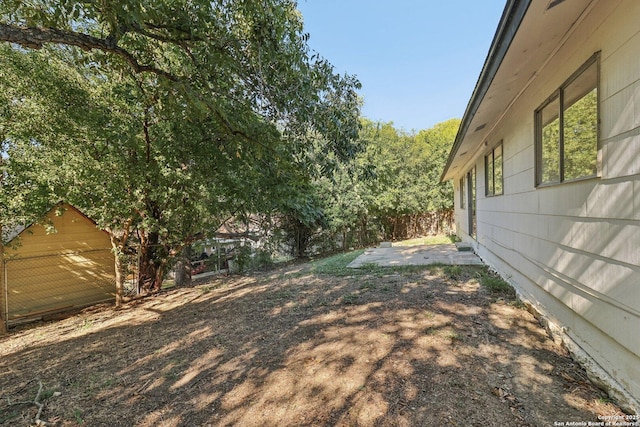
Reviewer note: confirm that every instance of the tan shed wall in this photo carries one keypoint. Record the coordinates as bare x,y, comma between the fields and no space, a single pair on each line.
74,232
71,267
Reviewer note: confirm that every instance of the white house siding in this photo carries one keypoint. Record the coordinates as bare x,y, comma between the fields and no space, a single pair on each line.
573,250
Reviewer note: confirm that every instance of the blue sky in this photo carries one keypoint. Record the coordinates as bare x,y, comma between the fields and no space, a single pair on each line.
418,60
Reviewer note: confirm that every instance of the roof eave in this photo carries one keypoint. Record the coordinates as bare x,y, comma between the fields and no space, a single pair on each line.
512,17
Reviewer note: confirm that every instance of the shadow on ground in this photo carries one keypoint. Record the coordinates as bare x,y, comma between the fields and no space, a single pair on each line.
294,348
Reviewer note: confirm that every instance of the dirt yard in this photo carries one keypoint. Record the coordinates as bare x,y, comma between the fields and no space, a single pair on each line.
306,345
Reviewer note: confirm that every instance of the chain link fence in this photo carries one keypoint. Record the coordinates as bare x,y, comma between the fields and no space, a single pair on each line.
36,286
130,264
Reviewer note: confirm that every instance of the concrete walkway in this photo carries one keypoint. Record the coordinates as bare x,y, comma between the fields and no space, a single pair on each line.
415,255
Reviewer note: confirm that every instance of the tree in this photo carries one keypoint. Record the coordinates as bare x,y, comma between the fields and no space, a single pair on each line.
387,191
176,115
436,143
407,167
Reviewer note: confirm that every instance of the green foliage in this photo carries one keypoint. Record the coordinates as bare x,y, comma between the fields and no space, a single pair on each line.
349,299
249,259
397,176
495,284
336,264
243,258
453,271
262,259
581,137
161,119
576,141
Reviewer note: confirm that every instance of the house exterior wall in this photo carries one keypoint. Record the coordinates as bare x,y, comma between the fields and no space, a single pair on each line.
573,249
71,267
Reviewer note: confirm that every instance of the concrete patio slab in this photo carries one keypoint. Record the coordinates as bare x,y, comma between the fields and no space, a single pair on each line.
415,255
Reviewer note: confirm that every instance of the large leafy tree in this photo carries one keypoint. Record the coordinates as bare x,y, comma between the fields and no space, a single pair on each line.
391,189
435,145
160,118
407,169
395,180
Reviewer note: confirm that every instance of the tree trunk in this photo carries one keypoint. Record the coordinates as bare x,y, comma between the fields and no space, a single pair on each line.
396,222
345,246
183,267
117,246
152,262
120,276
157,283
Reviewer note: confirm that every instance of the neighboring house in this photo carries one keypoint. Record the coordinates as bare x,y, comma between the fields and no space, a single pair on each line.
61,264
546,167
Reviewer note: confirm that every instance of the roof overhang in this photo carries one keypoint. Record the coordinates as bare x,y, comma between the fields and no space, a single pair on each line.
528,34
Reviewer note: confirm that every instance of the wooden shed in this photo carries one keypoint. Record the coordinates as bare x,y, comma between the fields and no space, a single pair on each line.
63,263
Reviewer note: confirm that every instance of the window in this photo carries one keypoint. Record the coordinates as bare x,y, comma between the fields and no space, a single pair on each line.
567,129
463,194
493,172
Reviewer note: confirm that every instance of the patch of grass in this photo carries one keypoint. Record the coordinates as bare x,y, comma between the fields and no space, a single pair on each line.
453,272
336,265
431,331
436,267
454,336
495,284
604,400
171,376
518,303
429,314
283,294
107,383
86,324
369,267
349,299
8,415
77,414
368,285
47,394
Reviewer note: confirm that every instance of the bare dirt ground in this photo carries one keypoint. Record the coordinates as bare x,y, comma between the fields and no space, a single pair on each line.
305,345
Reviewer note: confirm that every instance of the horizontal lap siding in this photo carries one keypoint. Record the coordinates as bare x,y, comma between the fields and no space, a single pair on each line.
69,232
44,284
51,271
574,249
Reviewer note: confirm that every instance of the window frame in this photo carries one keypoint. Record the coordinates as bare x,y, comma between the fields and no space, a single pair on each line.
558,95
463,192
490,158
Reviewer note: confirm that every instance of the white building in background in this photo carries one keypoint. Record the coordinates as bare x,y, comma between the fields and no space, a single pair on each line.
546,167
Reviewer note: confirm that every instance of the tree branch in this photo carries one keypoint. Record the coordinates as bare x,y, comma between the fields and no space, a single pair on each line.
187,35
35,401
35,38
